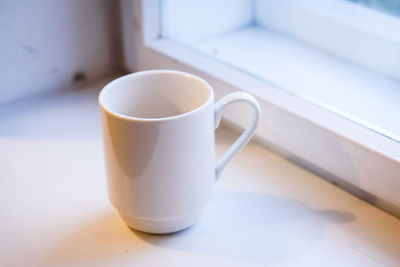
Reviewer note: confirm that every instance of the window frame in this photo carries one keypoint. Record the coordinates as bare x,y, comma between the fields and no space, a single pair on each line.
332,146
355,23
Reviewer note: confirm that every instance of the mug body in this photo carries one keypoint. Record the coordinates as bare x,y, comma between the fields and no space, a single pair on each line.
158,135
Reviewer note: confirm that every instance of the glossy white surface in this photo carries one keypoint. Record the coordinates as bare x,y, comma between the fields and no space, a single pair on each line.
265,211
158,136
247,134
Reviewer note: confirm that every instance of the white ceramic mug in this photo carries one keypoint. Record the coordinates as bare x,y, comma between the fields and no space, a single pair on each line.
158,134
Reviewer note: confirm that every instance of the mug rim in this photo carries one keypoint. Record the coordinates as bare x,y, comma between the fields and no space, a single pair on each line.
149,72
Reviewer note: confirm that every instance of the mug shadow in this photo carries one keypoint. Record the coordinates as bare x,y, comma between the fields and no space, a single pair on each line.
235,225
253,227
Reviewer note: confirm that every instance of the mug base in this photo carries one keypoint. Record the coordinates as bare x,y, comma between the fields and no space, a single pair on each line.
162,226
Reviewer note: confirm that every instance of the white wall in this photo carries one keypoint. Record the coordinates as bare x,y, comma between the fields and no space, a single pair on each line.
44,44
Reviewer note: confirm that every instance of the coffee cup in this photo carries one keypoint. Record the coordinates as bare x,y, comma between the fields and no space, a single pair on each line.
158,137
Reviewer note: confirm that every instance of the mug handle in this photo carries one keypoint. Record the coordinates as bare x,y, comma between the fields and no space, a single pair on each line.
246,135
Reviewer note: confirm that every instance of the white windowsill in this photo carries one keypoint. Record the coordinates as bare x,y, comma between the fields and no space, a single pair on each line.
265,210
349,154
359,132
353,32
361,95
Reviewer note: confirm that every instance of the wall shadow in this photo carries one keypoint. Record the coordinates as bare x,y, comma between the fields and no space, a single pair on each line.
60,115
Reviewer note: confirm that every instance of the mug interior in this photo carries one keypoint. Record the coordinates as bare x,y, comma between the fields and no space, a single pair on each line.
155,94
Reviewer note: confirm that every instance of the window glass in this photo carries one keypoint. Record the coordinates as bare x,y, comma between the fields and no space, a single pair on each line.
388,6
